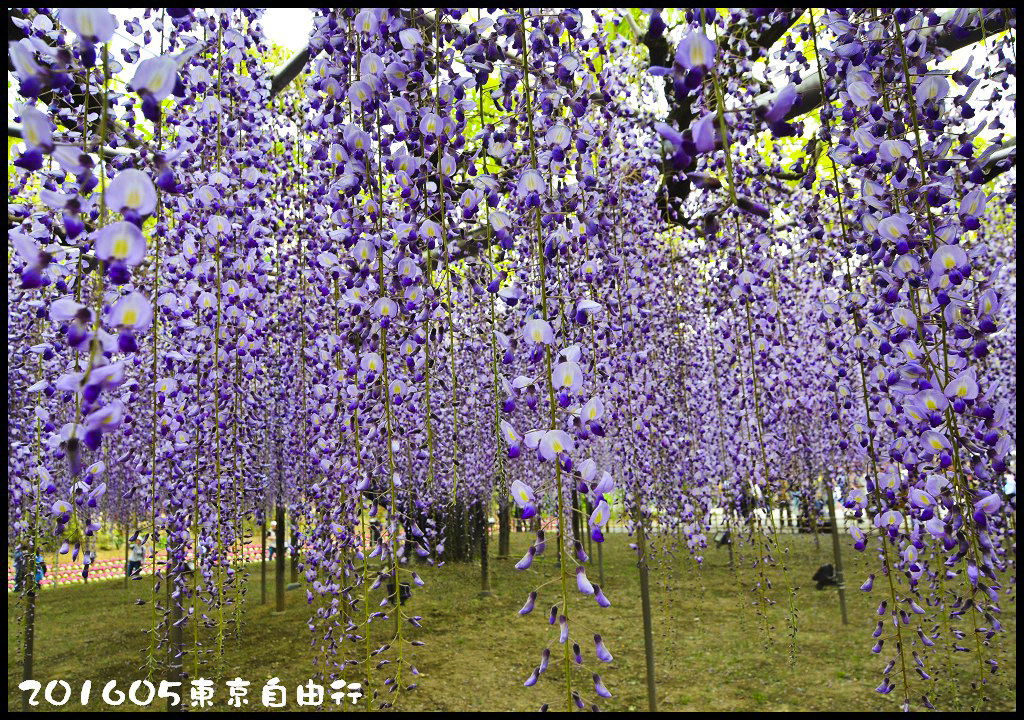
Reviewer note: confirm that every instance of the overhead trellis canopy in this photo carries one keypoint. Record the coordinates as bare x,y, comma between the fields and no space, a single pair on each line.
660,268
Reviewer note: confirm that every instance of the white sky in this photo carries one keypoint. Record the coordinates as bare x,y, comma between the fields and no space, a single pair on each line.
288,27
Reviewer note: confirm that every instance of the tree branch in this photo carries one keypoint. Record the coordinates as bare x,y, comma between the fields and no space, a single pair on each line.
948,38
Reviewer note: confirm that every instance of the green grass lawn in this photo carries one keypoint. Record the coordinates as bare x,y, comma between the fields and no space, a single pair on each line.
712,651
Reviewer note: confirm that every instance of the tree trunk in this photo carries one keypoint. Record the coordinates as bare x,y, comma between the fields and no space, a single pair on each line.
504,529
577,535
279,558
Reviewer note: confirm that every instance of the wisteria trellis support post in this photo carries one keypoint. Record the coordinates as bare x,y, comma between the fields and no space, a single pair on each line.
293,578
645,604
837,552
504,528
56,566
126,543
485,531
263,555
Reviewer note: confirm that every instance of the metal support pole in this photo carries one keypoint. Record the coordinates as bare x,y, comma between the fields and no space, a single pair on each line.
263,560
837,552
485,571
645,598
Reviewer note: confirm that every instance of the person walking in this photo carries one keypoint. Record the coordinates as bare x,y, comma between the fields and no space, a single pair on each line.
784,508
20,566
136,555
40,567
272,540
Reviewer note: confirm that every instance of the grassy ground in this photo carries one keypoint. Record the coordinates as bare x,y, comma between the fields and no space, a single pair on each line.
712,652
